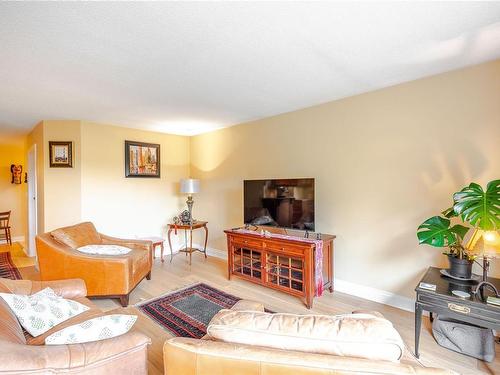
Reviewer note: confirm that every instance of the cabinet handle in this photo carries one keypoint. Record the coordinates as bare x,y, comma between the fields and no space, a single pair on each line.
458,308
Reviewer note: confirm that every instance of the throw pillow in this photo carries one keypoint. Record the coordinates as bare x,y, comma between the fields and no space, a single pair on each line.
103,327
104,250
41,311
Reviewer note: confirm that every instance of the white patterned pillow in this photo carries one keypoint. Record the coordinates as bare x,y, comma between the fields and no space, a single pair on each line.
43,310
104,249
103,327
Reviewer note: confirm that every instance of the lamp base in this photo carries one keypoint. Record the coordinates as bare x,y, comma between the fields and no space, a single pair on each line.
189,203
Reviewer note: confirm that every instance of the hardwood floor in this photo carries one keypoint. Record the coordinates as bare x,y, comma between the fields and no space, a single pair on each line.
171,276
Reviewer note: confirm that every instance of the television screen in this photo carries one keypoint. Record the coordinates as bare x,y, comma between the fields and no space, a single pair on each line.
285,203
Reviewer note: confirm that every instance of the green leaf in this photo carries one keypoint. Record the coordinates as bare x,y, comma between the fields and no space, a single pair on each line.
449,213
436,232
478,207
460,230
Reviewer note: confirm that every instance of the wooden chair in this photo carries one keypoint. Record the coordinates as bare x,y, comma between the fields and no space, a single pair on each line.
5,226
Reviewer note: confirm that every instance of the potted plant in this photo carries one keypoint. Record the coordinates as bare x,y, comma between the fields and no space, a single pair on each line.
472,205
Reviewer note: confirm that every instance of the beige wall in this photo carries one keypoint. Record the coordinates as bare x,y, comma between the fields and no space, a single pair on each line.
62,186
96,189
383,162
13,196
130,207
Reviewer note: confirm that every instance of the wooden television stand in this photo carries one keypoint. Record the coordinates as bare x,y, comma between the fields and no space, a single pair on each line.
287,264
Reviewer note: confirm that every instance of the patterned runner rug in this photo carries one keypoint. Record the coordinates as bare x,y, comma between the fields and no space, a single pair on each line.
187,312
7,268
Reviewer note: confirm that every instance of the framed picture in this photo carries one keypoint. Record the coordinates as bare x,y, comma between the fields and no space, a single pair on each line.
61,154
142,159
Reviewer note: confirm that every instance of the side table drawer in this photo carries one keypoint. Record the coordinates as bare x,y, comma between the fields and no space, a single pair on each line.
460,307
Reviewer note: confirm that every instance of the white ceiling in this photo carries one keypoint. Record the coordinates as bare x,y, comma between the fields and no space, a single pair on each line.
188,68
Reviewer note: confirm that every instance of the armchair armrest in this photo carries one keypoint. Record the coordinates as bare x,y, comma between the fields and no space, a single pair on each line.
16,357
140,244
71,288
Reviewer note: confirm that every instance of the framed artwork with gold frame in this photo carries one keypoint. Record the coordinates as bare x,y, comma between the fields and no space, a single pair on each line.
61,154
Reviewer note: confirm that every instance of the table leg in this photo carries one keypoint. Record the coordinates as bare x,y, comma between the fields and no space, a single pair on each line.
161,249
190,245
418,325
170,245
185,241
206,240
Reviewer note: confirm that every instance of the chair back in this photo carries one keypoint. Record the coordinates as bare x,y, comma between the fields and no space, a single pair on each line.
4,219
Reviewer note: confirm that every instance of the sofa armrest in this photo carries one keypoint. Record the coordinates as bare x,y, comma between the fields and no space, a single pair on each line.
139,244
15,357
71,288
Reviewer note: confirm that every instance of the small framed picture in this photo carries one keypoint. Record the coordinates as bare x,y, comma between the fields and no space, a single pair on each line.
61,154
142,159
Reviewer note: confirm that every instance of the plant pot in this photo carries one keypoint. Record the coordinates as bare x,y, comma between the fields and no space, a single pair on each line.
460,267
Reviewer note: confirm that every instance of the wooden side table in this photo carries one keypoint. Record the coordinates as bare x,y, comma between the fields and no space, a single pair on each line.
157,241
188,228
471,310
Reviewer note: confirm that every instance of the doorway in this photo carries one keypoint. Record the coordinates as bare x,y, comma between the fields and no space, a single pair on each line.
32,201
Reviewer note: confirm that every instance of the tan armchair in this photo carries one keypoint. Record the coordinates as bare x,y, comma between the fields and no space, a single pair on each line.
105,276
126,354
186,356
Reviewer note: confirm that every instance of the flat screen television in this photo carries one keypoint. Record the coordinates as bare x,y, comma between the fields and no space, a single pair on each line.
287,203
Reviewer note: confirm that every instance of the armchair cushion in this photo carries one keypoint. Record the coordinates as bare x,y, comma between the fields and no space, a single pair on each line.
104,249
77,235
352,335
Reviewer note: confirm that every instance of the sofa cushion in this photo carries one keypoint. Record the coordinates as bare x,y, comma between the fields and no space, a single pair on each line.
41,311
77,235
352,335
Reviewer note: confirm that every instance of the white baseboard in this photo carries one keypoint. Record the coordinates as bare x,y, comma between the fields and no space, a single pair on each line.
14,239
376,295
366,292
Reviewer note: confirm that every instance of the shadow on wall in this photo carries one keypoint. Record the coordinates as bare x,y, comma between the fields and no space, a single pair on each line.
379,172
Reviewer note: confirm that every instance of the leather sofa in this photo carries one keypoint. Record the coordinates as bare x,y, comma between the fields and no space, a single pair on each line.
126,354
187,356
104,276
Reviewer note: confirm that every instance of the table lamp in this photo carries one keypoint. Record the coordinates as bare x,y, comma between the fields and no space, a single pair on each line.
190,186
486,245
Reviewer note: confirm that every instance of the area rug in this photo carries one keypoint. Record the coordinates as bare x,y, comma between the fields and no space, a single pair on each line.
7,268
187,312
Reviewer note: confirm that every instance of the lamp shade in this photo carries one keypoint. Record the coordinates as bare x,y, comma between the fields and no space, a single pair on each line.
485,243
190,186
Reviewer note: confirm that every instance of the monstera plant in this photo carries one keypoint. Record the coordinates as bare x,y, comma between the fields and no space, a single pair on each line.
473,206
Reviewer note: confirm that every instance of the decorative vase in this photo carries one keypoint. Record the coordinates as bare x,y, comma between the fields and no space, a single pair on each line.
461,268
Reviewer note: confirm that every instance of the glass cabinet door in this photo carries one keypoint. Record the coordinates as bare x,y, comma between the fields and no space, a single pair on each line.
285,271
247,262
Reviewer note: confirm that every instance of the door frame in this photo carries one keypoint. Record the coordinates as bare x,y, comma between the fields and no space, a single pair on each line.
32,196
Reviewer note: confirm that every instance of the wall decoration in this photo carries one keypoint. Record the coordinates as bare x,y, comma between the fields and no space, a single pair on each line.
61,154
142,159
17,172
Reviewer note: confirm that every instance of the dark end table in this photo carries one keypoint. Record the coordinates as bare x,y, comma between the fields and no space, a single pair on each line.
471,310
